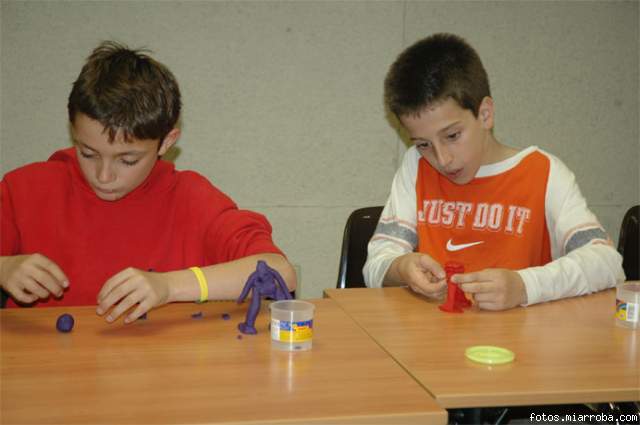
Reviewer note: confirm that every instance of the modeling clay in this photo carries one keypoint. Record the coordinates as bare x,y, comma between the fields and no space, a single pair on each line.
265,282
456,300
65,323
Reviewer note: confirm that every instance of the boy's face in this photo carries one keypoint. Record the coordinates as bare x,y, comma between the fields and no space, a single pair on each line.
452,139
114,169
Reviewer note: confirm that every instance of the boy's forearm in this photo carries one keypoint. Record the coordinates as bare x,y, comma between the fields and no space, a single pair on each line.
225,281
393,277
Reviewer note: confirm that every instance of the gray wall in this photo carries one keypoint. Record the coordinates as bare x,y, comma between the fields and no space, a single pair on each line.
283,100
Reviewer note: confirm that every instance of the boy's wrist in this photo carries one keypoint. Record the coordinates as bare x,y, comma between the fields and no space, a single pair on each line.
3,265
395,273
182,286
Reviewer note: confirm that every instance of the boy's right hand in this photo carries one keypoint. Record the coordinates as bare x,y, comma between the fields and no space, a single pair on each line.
421,273
29,277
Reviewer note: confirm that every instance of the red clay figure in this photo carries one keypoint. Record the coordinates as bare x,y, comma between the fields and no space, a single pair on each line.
456,300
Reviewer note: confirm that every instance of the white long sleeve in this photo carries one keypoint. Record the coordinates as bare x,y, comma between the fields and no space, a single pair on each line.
396,232
583,258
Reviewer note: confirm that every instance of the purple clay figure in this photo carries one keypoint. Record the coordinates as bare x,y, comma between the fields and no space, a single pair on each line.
65,323
265,282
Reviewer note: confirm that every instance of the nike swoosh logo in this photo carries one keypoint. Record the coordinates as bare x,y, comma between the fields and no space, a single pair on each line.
452,247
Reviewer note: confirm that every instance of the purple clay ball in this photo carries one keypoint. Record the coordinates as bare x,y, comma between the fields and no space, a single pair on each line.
197,315
225,316
65,323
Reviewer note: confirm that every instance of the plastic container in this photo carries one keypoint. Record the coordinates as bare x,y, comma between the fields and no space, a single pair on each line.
292,325
628,304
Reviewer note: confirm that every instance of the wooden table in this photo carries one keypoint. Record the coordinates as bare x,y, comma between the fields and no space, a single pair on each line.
172,368
567,351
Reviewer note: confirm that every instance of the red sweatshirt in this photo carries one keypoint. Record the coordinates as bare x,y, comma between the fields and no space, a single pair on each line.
172,221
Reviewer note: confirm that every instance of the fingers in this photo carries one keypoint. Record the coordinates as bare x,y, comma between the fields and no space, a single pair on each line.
432,266
113,283
22,295
429,289
426,277
117,290
493,289
34,288
33,276
56,272
44,277
124,291
490,305
47,282
141,309
477,287
130,300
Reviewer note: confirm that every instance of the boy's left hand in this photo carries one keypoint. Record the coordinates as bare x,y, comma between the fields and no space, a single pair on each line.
493,289
130,287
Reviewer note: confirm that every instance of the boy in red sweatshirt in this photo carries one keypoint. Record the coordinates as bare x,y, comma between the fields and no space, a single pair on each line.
109,221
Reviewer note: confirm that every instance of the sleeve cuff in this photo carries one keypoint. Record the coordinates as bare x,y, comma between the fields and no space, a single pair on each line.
530,285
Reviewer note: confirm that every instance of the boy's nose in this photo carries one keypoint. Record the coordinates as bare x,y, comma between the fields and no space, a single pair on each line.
104,173
443,156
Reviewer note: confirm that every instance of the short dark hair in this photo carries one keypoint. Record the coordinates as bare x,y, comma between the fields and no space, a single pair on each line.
434,69
126,90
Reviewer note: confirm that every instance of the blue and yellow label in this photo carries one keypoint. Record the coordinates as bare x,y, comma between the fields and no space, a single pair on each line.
627,312
283,331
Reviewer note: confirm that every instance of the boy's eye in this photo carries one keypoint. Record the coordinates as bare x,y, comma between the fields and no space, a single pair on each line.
423,145
129,163
453,136
86,155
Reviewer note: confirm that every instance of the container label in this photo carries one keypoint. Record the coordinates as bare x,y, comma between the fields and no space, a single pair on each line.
627,312
284,331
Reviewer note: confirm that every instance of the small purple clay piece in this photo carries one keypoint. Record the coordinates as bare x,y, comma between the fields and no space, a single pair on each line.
265,282
239,337
225,316
197,315
247,329
65,323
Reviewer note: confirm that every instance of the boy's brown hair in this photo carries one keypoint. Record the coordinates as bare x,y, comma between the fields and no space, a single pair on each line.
128,91
434,69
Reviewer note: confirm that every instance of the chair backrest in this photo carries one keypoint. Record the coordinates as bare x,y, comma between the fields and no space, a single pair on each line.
628,242
3,298
357,232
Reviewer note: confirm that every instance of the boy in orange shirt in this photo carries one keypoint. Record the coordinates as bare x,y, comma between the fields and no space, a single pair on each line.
514,218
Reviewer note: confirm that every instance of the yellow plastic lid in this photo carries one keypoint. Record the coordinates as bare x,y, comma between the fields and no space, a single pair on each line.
488,354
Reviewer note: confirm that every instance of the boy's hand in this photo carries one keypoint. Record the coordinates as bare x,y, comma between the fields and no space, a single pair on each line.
422,273
493,289
130,287
29,277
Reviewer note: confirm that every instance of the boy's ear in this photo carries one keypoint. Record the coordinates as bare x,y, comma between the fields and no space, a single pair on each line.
485,113
169,140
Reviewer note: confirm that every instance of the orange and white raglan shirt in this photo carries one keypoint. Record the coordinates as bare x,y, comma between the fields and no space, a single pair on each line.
525,213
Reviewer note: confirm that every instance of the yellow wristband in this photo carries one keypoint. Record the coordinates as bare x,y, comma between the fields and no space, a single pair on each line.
204,288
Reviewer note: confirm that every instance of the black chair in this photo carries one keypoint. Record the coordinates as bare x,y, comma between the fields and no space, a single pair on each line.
628,242
3,298
357,232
